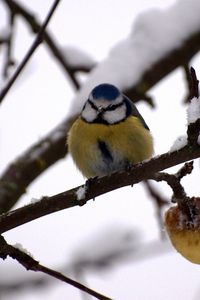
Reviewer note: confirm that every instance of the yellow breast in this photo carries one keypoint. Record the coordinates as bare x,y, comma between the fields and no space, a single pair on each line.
125,142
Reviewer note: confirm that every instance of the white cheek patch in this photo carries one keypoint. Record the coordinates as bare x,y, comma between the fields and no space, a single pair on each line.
116,115
89,113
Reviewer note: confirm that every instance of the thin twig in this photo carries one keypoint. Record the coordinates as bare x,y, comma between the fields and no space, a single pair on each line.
35,26
173,182
194,83
191,80
185,170
28,55
9,61
31,264
179,194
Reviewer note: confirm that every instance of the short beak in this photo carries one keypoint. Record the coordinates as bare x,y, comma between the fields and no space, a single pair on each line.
100,109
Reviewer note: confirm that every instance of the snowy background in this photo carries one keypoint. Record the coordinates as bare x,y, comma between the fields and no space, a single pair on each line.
41,98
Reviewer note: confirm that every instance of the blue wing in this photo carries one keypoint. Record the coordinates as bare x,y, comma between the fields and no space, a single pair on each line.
132,110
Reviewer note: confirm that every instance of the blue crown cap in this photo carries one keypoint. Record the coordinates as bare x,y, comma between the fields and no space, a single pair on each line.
105,90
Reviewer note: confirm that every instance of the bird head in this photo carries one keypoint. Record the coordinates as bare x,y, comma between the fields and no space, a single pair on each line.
105,104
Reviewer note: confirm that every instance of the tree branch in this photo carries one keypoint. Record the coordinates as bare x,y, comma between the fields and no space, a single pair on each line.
96,187
174,59
31,164
31,264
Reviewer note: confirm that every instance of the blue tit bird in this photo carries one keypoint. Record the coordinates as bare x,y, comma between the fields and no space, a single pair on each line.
109,135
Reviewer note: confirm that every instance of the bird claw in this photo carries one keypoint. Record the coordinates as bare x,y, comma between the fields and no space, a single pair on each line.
128,167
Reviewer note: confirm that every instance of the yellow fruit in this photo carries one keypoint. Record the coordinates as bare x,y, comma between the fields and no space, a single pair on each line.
184,232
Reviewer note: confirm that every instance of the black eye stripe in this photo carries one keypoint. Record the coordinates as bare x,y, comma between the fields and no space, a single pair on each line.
108,108
114,106
92,105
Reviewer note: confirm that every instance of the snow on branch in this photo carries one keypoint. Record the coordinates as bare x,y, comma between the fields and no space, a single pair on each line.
78,59
154,35
193,115
193,111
